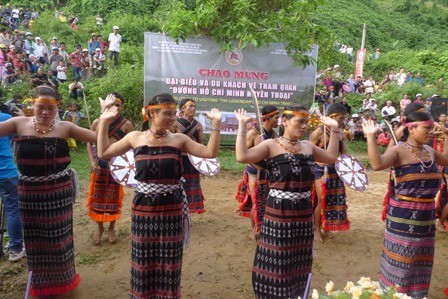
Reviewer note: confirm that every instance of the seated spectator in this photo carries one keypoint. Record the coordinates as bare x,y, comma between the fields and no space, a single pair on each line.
10,76
15,106
62,17
346,105
54,82
39,79
98,59
384,137
76,89
369,84
388,111
34,64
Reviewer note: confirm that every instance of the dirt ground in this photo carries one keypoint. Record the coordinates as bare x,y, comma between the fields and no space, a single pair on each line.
219,260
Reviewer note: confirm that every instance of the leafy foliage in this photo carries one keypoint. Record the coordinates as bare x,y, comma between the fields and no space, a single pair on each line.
251,23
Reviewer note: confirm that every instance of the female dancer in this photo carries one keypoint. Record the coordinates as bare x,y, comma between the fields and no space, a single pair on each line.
408,247
46,192
331,210
284,256
187,125
158,212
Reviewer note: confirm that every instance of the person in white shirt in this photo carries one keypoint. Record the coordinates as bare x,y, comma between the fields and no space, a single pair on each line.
114,45
349,51
369,84
401,77
388,111
372,106
99,21
62,71
40,51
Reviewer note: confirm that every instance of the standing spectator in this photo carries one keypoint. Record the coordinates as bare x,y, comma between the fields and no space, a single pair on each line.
76,89
3,59
54,42
93,44
388,111
62,17
99,21
75,60
419,98
10,197
28,44
377,54
350,53
15,18
40,51
63,53
369,84
3,36
103,44
62,72
114,46
54,60
86,64
351,82
404,102
359,83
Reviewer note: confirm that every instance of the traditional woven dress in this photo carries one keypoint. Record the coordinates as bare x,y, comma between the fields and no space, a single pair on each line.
283,257
408,248
105,197
255,203
333,199
192,184
157,224
442,196
46,196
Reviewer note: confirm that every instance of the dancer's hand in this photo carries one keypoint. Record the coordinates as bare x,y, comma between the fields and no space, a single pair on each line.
109,114
214,114
329,122
439,129
108,102
241,116
370,128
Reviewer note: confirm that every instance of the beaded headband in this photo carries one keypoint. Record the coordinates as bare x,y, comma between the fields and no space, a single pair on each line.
297,113
416,123
46,101
187,103
269,114
162,106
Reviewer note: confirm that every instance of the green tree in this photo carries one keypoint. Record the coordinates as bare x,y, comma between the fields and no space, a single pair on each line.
252,23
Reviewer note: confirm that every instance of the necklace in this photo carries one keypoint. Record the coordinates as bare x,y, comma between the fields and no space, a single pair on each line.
289,150
33,125
290,141
421,154
154,134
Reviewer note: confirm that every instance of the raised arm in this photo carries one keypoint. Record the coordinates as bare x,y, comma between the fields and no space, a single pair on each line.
211,150
244,155
442,158
330,155
378,161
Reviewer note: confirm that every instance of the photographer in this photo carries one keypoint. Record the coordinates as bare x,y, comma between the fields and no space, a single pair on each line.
15,106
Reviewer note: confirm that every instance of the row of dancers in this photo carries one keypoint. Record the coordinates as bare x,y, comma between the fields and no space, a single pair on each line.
286,224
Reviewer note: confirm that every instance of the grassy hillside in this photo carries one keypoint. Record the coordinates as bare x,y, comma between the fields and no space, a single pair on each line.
391,24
